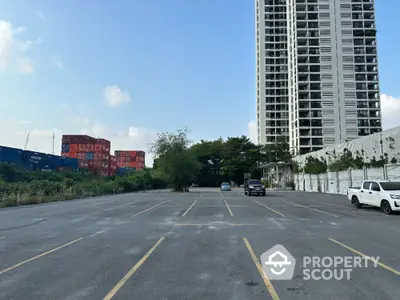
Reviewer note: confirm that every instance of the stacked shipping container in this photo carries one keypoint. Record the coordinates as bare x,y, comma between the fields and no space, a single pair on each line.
130,159
32,160
93,154
113,165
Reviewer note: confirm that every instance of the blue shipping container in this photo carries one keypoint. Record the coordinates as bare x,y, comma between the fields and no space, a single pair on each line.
72,163
89,156
53,160
65,148
37,160
122,171
10,155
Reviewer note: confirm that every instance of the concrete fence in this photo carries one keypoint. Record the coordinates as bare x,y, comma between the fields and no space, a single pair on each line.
338,182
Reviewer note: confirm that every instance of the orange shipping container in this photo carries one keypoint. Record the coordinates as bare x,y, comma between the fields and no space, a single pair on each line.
73,148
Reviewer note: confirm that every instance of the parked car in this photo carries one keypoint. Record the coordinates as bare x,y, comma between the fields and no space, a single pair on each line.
254,186
379,193
225,186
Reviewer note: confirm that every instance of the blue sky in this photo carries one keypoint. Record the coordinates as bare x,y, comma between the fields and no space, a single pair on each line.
180,63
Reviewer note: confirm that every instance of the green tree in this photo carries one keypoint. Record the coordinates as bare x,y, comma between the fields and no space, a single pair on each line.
208,154
240,156
177,164
278,152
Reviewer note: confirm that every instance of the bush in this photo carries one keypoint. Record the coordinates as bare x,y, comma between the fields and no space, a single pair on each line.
19,187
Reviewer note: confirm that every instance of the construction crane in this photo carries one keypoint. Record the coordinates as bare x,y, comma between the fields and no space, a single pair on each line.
26,141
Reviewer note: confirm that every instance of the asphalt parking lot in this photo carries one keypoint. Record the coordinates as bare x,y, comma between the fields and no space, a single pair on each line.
198,245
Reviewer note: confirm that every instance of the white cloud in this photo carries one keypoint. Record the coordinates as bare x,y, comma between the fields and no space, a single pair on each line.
26,66
114,96
27,45
390,107
40,14
6,41
252,131
12,47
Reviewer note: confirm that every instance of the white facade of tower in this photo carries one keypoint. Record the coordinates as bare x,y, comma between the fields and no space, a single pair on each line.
328,68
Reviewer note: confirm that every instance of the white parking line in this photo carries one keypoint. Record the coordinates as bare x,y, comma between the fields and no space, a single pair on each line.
352,209
190,207
313,209
111,208
267,207
2,237
154,206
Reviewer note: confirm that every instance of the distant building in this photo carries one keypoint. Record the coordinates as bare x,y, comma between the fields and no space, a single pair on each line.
317,72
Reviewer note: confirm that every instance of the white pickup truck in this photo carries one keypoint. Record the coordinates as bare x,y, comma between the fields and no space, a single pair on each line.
379,193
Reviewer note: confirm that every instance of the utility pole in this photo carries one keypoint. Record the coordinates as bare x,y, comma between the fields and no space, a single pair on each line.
54,137
26,141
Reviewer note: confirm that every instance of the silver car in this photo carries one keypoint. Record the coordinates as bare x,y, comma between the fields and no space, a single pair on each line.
225,186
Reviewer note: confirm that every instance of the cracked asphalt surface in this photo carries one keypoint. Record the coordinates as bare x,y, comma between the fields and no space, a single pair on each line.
196,245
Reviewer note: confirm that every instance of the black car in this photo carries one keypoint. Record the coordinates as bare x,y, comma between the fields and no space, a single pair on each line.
254,186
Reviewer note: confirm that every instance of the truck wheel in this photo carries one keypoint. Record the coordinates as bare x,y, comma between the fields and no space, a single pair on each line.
356,202
385,207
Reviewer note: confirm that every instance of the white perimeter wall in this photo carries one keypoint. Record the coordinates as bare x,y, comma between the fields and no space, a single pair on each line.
338,182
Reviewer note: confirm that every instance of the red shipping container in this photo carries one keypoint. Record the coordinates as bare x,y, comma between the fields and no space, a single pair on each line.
98,148
140,153
77,139
106,149
73,148
90,164
90,147
104,142
82,155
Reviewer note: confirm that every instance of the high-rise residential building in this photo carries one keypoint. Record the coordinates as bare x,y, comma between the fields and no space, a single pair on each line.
317,72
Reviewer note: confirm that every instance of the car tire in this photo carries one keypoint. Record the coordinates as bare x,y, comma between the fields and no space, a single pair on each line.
356,202
385,207
263,194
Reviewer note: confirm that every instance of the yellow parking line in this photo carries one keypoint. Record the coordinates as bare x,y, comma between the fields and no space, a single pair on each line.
267,207
227,206
147,209
38,256
310,208
190,207
132,271
366,256
267,282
